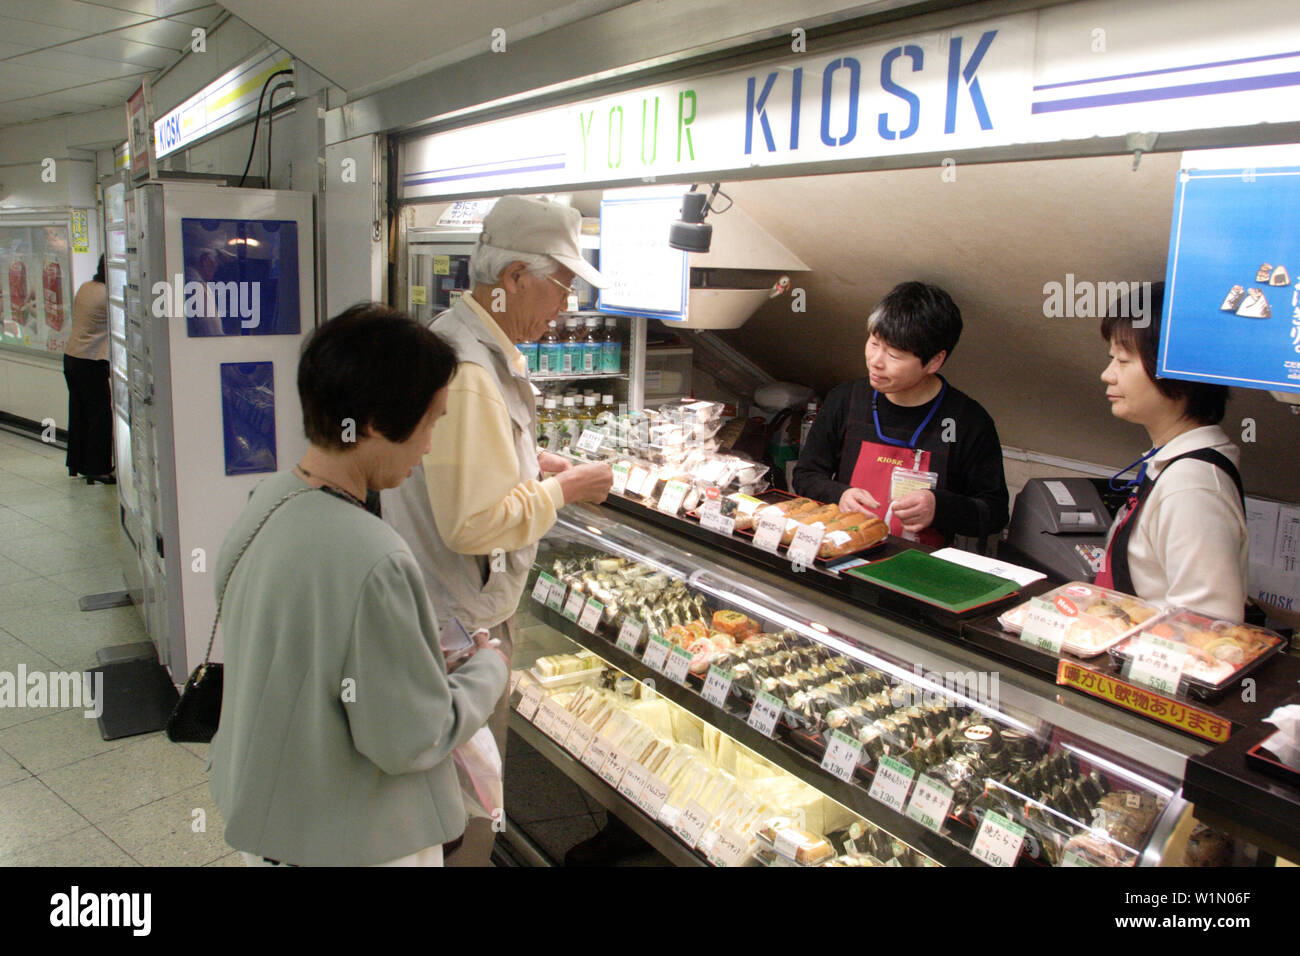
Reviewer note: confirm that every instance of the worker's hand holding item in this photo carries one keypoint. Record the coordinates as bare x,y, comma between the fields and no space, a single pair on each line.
586,483
858,500
552,464
915,510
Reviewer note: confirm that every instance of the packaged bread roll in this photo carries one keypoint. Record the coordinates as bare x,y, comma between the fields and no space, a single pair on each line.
840,542
820,515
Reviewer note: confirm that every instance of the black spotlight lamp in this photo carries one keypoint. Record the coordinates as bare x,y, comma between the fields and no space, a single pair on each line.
691,233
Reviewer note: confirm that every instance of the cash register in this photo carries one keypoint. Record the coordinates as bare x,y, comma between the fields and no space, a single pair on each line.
1058,526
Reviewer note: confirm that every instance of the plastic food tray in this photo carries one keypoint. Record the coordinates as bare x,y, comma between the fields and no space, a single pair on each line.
589,676
1201,678
1082,598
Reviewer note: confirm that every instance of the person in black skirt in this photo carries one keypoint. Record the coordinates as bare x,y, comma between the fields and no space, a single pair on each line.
85,368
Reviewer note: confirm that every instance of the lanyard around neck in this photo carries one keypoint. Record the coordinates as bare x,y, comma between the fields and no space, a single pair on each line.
875,418
1142,472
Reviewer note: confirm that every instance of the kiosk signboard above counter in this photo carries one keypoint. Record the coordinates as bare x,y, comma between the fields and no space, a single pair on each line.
1232,304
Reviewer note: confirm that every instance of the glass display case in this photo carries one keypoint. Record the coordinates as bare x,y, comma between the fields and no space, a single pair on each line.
735,721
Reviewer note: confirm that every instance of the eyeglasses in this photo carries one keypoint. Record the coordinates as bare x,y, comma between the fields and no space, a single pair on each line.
568,289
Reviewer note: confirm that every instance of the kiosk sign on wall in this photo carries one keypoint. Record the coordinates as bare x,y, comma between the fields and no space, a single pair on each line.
1232,285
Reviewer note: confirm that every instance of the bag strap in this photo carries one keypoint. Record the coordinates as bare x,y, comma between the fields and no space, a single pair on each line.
222,596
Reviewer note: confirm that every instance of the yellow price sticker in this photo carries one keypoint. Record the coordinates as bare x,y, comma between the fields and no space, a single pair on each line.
442,265
419,295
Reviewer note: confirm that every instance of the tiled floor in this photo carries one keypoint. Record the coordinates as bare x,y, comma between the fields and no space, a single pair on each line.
68,798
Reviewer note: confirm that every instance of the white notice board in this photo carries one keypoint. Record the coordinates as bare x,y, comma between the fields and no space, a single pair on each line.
647,276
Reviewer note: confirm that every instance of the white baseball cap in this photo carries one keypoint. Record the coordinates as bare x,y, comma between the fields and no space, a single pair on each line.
518,224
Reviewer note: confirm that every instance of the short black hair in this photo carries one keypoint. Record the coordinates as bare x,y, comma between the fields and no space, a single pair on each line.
917,318
99,271
374,365
1206,403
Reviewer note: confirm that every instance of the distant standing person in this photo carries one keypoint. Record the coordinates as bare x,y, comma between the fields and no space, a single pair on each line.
85,368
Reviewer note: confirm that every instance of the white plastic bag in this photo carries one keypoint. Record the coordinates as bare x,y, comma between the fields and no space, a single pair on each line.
478,766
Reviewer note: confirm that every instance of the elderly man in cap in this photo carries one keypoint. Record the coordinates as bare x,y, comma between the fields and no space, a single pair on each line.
475,509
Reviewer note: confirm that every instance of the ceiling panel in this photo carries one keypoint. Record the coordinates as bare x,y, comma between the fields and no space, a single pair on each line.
74,15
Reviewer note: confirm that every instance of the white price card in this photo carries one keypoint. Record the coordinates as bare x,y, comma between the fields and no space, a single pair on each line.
712,518
637,479
842,755
656,653
590,615
596,753
1045,626
621,471
691,822
670,502
555,601
633,781
528,703
768,531
590,440
515,677
542,587
729,848
629,635
562,726
998,841
653,795
615,766
678,665
579,739
545,717
930,803
765,713
892,784
1156,663
573,607
807,542
717,686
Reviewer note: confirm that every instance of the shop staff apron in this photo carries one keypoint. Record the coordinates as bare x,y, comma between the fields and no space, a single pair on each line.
879,455
1114,573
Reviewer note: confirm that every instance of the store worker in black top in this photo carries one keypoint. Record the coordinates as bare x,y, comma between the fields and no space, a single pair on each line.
902,443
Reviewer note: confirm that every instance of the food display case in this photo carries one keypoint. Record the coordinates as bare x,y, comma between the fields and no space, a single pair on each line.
735,717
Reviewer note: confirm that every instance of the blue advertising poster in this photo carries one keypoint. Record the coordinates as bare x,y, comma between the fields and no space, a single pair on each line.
241,278
248,417
1232,286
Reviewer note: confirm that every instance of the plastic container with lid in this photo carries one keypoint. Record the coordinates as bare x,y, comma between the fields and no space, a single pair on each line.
1100,617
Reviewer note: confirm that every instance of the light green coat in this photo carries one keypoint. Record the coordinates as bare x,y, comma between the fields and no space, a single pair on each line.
338,718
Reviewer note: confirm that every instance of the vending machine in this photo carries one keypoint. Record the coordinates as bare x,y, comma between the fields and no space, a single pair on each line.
217,296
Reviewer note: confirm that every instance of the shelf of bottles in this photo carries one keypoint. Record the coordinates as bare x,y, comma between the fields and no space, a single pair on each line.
581,348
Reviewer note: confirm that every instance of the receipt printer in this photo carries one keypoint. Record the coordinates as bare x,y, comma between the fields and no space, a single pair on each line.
1058,526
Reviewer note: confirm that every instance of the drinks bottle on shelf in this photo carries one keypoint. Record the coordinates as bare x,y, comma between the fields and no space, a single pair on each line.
531,352
549,352
572,348
611,348
806,424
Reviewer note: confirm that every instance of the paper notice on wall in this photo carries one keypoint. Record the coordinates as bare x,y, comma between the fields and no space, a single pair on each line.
1287,547
1261,523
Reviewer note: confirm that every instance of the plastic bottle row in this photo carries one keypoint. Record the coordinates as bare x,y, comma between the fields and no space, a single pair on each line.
581,348
562,420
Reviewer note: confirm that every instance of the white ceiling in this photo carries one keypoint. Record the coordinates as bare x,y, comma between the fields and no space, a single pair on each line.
61,57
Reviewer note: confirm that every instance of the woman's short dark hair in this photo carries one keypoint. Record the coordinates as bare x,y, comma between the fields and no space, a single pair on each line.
99,271
917,318
1206,403
375,366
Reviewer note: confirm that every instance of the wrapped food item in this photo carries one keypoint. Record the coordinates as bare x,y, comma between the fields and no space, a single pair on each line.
1217,652
1100,618
852,533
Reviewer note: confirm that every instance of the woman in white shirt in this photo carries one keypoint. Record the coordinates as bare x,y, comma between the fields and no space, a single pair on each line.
1181,539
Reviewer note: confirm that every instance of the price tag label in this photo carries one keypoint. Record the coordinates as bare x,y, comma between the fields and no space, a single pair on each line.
712,518
636,480
633,781
621,472
691,823
729,848
807,541
590,616
579,739
629,635
717,686
670,502
1072,858
656,653
678,665
573,607
765,713
555,600
545,717
562,726
1157,663
528,703
1044,626
998,841
653,795
514,682
615,767
768,532
930,803
590,440
892,784
842,755
542,587
595,755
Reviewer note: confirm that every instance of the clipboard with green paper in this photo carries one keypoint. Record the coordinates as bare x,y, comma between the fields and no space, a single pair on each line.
936,582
